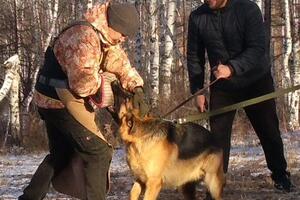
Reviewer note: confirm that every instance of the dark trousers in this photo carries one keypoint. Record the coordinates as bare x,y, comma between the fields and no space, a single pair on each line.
262,116
67,136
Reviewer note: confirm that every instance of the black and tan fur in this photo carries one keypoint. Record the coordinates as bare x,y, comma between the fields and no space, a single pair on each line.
162,154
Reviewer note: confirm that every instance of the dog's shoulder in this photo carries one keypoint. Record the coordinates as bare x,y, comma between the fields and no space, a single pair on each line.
191,139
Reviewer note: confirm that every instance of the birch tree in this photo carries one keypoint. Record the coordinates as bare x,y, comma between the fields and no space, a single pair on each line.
10,87
295,72
260,4
78,9
6,131
89,4
17,27
286,58
154,52
15,108
139,38
39,48
83,6
167,58
10,67
288,44
53,14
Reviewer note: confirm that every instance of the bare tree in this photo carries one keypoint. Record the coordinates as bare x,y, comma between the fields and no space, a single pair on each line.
295,66
89,4
260,4
11,87
139,38
154,52
287,44
167,58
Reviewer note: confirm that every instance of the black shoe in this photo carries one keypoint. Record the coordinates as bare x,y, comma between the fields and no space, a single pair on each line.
282,181
21,198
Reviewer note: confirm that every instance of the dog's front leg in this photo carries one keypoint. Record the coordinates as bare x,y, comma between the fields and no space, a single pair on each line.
153,187
136,190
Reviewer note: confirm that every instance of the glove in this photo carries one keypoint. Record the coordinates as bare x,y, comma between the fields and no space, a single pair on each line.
139,101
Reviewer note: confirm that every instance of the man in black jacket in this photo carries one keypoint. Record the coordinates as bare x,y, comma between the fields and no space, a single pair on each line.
232,33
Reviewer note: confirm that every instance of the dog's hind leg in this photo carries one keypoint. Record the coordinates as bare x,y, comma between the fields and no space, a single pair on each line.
189,190
214,183
153,187
136,190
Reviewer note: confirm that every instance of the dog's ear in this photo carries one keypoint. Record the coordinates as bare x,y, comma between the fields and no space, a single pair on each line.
129,104
125,108
120,97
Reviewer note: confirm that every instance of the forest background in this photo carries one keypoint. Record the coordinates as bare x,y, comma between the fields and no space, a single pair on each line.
158,52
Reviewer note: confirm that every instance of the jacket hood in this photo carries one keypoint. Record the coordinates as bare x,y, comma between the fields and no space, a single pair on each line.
97,16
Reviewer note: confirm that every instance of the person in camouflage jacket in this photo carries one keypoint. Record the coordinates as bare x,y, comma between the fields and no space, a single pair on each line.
76,65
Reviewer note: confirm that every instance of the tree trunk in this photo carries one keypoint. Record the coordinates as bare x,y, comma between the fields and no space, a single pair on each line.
53,13
154,53
15,111
8,79
10,73
89,4
288,44
277,32
260,4
286,57
53,17
139,39
17,26
78,9
11,84
40,48
294,116
6,131
167,58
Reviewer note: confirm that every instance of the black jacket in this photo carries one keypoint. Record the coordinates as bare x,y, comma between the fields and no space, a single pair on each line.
233,35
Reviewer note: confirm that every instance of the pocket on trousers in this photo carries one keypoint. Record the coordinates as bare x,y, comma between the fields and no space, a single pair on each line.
90,144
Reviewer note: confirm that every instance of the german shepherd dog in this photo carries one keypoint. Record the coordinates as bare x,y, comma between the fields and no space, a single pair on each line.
163,154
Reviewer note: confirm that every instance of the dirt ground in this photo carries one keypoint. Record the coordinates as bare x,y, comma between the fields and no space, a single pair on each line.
242,184
248,177
239,186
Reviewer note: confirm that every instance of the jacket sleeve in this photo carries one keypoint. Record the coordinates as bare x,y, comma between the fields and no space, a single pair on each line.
117,62
195,56
78,52
254,42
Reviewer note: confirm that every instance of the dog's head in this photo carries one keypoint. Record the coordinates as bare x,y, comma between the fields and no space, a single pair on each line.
121,96
128,120
123,101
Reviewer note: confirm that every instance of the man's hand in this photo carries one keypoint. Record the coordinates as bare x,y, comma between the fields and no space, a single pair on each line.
223,71
139,101
201,103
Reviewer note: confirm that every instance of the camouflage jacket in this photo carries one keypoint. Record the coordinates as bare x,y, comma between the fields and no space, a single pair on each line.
85,53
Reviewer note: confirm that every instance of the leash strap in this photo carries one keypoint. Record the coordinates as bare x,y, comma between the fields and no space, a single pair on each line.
190,97
236,106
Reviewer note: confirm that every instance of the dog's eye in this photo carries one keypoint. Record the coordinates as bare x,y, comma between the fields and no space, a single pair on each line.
129,123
